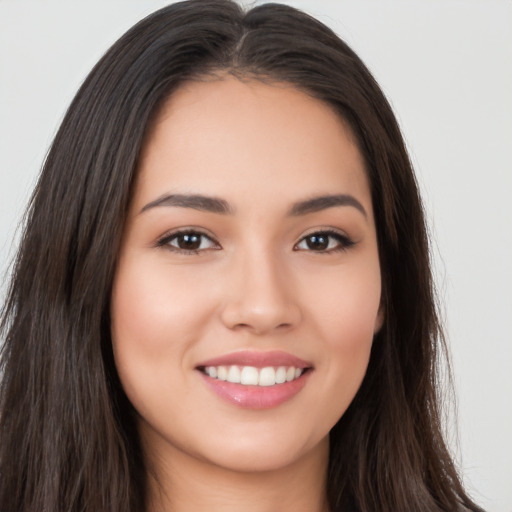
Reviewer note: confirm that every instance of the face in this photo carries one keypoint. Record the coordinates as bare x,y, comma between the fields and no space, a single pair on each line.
248,286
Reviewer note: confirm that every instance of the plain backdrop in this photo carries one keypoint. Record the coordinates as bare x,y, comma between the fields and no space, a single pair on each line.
446,67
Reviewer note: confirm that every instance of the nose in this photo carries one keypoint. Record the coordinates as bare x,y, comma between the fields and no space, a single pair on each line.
260,296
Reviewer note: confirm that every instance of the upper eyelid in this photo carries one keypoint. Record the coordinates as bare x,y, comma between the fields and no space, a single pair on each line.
188,229
325,230
169,235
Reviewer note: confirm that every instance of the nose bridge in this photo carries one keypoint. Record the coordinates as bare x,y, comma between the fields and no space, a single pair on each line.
260,296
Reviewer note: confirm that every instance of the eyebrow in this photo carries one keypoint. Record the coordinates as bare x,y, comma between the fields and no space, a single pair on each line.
316,204
194,201
217,205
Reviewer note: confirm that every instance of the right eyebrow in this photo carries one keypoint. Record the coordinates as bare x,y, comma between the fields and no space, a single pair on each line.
194,201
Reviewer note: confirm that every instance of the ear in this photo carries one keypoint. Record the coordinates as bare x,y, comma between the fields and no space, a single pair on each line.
379,320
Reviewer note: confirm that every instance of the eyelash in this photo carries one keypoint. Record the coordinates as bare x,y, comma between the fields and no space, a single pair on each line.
166,240
343,241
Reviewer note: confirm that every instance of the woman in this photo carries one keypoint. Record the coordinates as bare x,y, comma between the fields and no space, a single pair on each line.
223,296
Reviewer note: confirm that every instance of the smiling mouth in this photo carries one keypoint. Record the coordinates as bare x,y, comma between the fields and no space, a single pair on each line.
252,376
256,379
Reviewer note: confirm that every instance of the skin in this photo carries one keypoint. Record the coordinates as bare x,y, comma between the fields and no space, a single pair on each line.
254,284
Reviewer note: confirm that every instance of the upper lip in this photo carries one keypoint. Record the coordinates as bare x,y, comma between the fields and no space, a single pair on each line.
258,359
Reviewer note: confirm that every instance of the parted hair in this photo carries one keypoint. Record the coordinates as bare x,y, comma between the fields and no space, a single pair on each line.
68,437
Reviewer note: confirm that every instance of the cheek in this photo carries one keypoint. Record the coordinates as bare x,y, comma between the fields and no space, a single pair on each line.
152,307
346,317
347,306
155,325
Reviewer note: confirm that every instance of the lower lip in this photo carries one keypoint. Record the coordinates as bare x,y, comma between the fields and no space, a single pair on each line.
256,397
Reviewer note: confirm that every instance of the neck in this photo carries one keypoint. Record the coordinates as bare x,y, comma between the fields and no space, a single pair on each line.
179,483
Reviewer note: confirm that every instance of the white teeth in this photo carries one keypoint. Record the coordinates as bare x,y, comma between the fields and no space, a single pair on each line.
234,374
267,376
211,371
222,373
251,376
281,375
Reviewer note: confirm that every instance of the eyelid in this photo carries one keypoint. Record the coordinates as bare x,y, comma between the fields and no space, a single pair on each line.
163,241
344,240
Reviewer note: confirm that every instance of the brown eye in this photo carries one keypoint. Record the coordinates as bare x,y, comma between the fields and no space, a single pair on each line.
317,242
324,242
188,242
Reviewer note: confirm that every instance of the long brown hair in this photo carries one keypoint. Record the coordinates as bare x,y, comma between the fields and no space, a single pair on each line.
68,440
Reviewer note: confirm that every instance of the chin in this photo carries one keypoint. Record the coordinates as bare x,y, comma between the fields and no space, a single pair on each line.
267,455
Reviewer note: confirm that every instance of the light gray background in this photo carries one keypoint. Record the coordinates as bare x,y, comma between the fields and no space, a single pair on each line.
446,67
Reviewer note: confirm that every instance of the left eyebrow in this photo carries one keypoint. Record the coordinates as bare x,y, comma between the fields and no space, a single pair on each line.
316,204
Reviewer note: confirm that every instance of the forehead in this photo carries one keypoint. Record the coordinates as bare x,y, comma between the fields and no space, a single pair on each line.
227,137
